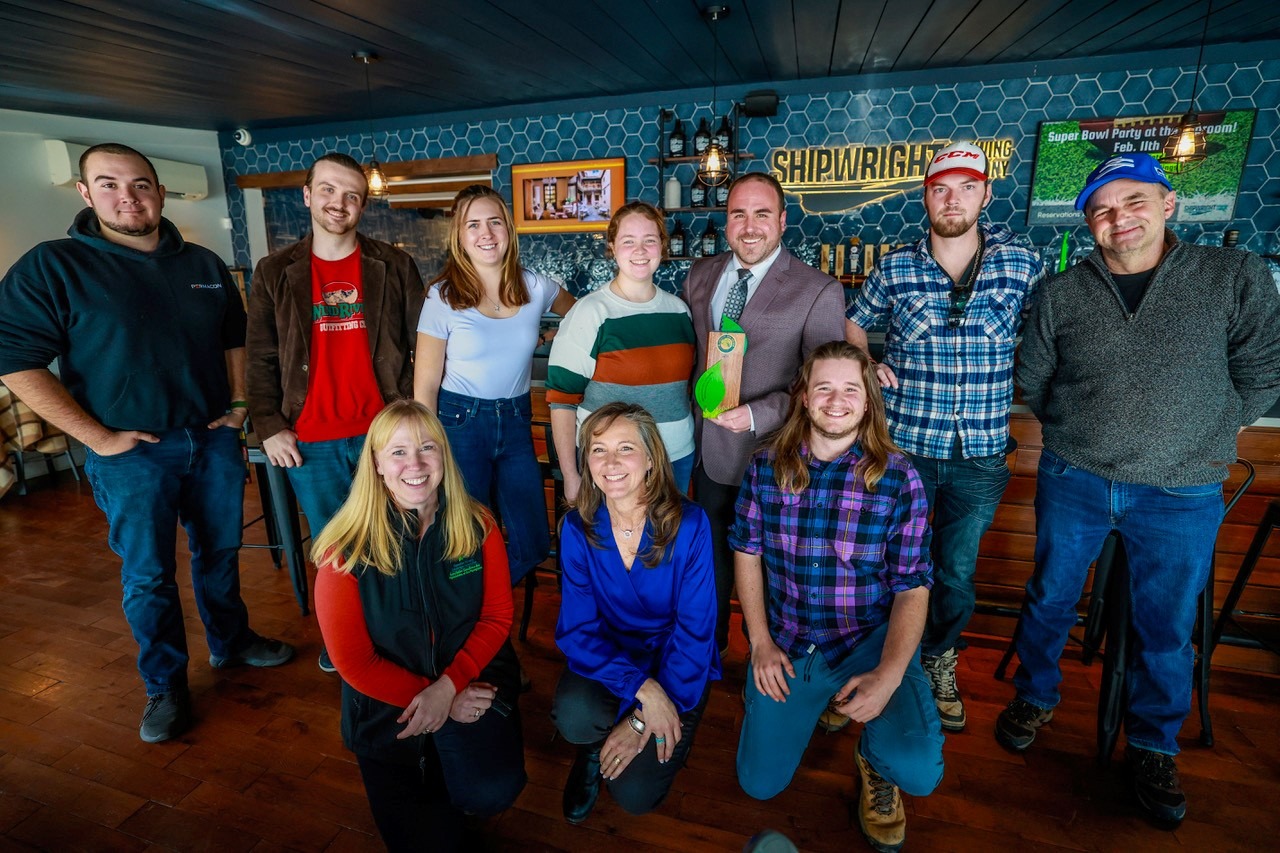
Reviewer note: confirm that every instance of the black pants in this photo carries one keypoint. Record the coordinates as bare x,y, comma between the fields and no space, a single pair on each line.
717,500
585,712
473,768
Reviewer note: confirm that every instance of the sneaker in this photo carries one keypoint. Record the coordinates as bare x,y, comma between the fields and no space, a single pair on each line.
324,663
1156,785
832,721
881,816
259,652
1016,726
941,671
166,716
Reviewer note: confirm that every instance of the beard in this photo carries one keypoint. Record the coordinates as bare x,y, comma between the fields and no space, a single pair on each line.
141,230
949,228
834,436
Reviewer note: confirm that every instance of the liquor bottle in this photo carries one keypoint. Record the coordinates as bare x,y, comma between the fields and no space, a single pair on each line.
671,193
676,239
724,136
709,238
697,193
722,194
676,141
701,138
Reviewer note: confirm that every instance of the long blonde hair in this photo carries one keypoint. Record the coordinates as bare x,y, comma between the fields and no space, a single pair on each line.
662,500
790,469
460,284
363,531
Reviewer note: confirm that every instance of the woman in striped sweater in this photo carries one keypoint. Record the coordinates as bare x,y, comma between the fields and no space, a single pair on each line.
629,341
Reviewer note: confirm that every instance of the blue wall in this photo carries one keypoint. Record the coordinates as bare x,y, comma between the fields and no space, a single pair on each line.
990,108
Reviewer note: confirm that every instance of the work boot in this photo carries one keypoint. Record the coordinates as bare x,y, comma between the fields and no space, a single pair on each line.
832,721
166,716
881,816
941,670
583,785
1016,726
1156,785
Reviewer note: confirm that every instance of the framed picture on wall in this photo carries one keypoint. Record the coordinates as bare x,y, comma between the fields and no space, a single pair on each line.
576,195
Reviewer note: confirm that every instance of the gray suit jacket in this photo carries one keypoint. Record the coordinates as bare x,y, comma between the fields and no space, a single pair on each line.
794,310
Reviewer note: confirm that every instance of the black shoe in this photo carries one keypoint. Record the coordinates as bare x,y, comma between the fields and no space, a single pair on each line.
1156,785
583,785
1016,726
166,716
259,652
324,663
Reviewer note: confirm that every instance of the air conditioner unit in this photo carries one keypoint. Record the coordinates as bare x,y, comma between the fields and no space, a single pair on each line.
181,180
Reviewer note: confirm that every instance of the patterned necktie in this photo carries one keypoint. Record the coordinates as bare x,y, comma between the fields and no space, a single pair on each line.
737,299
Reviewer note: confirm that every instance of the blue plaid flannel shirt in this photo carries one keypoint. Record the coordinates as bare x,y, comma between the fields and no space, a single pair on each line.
950,380
836,554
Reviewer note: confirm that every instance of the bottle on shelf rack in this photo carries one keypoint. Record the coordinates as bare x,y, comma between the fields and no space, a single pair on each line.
709,238
677,239
724,135
722,194
702,137
672,192
676,146
697,192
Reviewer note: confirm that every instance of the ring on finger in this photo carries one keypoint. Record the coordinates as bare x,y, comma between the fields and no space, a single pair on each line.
477,713
659,740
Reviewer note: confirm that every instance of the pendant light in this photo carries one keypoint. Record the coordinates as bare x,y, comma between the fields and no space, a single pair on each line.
373,172
1185,149
713,168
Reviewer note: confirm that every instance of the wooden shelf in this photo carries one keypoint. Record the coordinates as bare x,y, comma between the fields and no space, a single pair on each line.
671,161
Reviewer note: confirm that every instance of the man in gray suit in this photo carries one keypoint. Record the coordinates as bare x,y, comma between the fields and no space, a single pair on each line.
788,309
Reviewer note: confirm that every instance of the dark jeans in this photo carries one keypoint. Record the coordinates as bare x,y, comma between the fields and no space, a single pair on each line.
492,441
195,476
963,495
585,712
717,501
466,768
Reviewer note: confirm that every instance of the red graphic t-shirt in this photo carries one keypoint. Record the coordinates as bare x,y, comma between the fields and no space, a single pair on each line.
342,392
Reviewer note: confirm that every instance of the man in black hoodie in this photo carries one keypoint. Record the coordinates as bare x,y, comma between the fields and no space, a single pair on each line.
149,333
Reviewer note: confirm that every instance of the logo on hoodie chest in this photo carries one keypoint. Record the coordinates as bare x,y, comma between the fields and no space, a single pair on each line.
466,566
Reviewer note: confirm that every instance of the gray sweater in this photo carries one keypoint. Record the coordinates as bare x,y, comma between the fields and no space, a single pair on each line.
1154,397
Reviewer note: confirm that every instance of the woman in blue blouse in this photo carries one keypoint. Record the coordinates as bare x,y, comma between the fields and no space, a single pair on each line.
637,617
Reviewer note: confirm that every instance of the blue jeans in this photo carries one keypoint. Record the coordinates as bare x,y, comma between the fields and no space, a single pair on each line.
682,472
492,441
903,744
322,481
1168,535
963,495
195,476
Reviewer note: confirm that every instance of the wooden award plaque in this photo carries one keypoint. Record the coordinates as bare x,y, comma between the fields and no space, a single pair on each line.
726,349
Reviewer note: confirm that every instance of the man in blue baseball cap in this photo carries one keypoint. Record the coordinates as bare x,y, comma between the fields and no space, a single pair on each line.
1142,363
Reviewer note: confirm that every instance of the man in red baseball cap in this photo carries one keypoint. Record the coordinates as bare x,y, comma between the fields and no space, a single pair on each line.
953,305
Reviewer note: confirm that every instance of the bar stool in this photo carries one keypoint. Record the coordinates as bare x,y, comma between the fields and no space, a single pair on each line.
550,469
1251,630
280,517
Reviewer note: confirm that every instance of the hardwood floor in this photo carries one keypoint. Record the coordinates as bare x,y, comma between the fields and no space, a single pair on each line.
264,768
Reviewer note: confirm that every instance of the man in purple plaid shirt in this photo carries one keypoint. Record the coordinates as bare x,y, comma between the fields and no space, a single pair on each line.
832,565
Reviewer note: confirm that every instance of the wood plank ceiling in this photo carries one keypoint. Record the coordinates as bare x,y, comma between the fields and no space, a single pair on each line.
220,64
